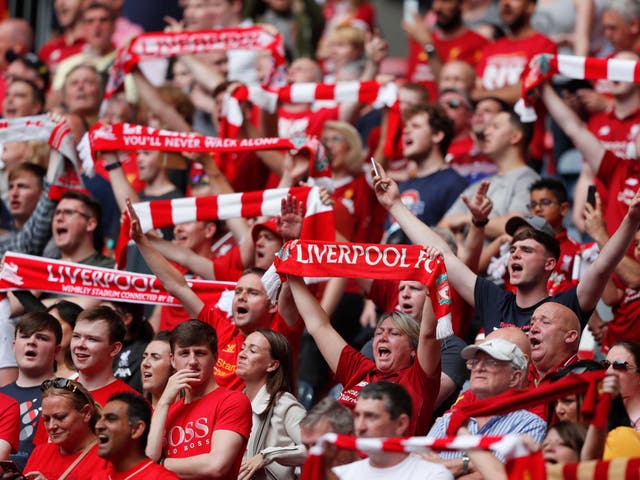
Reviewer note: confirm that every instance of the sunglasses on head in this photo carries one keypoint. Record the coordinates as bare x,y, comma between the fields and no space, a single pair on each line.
65,384
454,103
618,365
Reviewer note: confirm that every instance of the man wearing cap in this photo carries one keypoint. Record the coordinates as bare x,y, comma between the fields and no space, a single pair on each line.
496,365
533,257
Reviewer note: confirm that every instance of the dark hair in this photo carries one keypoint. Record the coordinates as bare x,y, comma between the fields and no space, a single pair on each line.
281,379
36,170
68,312
438,121
632,347
100,6
138,410
194,332
504,106
556,187
36,92
550,244
117,330
571,433
397,400
139,328
416,88
96,212
525,128
33,322
338,416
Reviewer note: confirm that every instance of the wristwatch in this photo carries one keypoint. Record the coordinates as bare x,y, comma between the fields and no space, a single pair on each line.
465,463
430,49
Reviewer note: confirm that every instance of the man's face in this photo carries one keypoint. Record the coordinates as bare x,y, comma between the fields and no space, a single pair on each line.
20,101
198,359
417,137
72,223
549,334
149,165
67,12
251,305
302,70
25,189
407,99
529,263
490,377
82,91
35,352
19,69
544,204
371,420
114,431
499,135
193,235
266,247
411,298
515,14
623,90
482,115
98,29
91,350
618,30
448,13
458,109
310,435
456,74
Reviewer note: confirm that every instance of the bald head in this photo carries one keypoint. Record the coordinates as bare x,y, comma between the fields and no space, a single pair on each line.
554,336
15,34
458,75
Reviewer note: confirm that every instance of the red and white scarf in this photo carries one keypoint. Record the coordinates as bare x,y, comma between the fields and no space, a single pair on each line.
58,136
29,272
544,66
521,463
164,45
363,260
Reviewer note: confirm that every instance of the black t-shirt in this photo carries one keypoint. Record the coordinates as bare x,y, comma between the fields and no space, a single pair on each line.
126,365
496,308
30,400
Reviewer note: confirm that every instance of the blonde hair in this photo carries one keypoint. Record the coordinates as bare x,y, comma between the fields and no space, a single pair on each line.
354,159
347,33
406,324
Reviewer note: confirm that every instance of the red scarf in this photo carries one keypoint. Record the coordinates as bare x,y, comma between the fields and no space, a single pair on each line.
29,272
164,45
362,260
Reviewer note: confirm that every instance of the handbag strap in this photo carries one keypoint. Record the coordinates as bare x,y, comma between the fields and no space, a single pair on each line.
264,429
77,460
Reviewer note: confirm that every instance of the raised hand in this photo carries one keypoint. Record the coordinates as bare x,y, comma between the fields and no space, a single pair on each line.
290,219
386,189
480,205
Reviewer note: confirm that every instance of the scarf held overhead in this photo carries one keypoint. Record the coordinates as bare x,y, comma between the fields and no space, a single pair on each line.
165,45
361,260
29,272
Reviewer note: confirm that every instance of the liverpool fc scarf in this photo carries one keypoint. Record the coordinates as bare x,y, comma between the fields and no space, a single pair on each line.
29,272
544,66
362,260
521,463
164,45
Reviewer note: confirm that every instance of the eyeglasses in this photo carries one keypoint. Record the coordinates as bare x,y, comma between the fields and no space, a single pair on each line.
489,363
455,104
333,139
545,202
68,212
619,365
65,384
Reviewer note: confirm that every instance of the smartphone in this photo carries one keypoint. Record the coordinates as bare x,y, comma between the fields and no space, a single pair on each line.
374,164
591,195
409,10
9,467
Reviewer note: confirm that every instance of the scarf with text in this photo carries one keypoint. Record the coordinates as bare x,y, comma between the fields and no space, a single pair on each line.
29,272
544,66
58,135
595,406
164,45
361,260
521,463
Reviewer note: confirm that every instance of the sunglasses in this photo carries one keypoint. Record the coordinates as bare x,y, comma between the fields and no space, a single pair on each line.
455,104
619,365
65,384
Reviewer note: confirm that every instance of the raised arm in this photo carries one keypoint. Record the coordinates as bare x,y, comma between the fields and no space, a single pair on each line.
318,324
480,206
169,276
428,352
591,284
460,276
184,256
120,184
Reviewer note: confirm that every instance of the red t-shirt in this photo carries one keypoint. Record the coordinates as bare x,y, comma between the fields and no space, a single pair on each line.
622,178
10,421
102,394
47,459
189,428
228,267
626,315
244,170
56,50
563,277
466,47
355,371
230,340
142,471
308,122
129,167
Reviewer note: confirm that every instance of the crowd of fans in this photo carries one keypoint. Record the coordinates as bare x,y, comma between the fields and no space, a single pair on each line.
541,250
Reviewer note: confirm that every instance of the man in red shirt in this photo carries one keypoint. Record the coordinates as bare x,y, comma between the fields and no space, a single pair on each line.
122,429
71,40
97,338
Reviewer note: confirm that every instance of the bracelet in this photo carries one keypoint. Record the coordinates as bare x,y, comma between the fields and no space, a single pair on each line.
430,49
465,463
480,223
113,166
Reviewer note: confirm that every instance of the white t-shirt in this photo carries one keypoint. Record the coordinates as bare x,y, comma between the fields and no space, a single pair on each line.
411,468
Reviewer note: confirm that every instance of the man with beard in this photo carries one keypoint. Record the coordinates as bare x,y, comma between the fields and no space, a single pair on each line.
450,40
122,429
